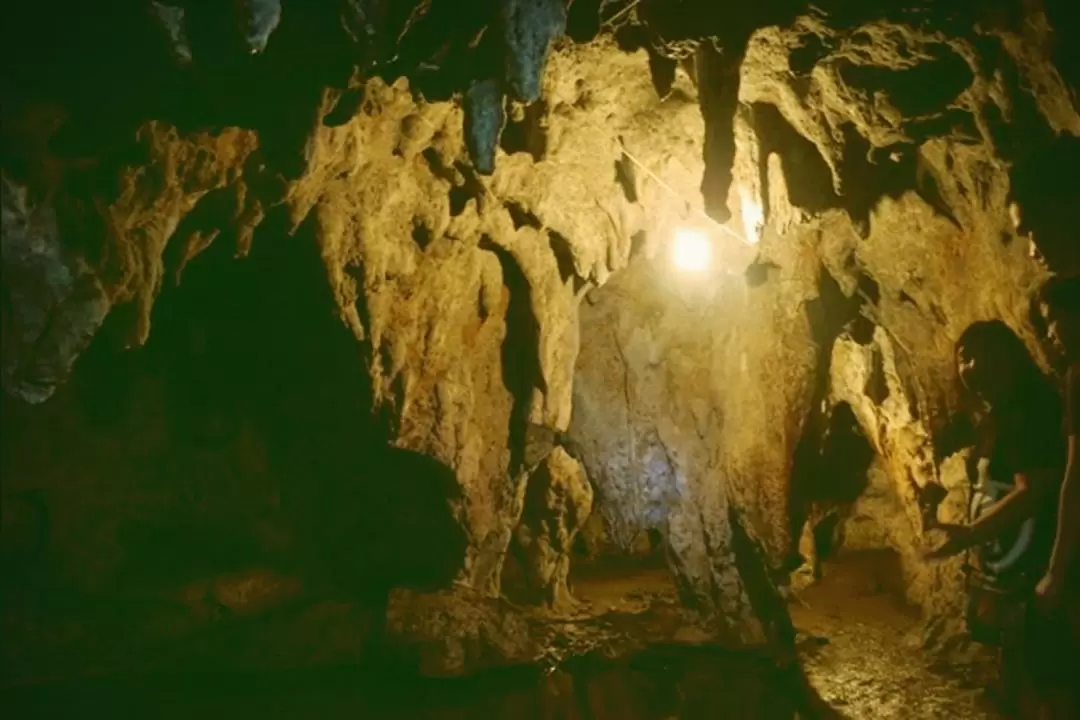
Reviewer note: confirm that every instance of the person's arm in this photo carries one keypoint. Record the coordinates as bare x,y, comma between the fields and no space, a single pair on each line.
1016,507
1020,504
1032,485
1068,525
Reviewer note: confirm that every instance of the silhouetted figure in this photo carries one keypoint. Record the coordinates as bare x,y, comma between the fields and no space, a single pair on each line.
1016,469
1059,589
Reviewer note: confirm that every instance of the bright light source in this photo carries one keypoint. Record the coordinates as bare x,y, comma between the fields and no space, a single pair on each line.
691,250
753,216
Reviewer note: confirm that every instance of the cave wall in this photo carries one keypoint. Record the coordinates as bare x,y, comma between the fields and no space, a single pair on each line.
924,167
386,296
873,161
648,420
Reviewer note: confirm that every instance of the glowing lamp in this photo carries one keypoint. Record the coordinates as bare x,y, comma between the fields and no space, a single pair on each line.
691,250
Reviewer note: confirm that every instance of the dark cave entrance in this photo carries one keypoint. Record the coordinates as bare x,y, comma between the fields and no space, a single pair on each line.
596,553
830,473
604,574
834,470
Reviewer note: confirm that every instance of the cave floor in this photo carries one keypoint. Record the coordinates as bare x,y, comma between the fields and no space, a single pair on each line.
620,653
858,652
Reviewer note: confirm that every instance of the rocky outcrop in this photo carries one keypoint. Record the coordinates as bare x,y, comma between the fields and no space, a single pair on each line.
558,501
59,289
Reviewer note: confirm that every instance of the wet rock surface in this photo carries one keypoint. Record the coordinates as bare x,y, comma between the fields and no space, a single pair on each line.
858,640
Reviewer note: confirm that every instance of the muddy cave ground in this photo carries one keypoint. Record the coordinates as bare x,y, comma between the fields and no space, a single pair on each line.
509,358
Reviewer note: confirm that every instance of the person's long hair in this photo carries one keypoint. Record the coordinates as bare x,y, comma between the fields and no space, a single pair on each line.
993,344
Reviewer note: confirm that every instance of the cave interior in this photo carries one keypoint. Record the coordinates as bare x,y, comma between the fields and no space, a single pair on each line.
510,358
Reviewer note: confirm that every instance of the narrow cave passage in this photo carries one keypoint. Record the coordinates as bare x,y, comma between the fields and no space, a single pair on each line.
859,631
604,576
622,558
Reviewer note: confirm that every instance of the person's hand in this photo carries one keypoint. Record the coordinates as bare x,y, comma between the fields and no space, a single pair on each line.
1048,592
956,542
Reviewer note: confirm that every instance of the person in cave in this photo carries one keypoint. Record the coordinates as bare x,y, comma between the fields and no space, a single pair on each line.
1016,468
1059,305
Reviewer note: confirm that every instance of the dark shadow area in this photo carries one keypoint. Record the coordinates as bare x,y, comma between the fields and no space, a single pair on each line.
825,429
808,178
920,90
868,288
868,174
830,474
829,311
959,433
845,456
1044,183
862,328
111,69
522,216
240,442
762,591
660,681
563,250
718,95
1063,19
521,366
957,124
421,234
459,198
757,273
661,72
813,49
528,134
626,174
583,19
266,319
1022,128
877,386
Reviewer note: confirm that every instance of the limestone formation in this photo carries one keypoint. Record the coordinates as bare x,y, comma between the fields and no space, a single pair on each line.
558,501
